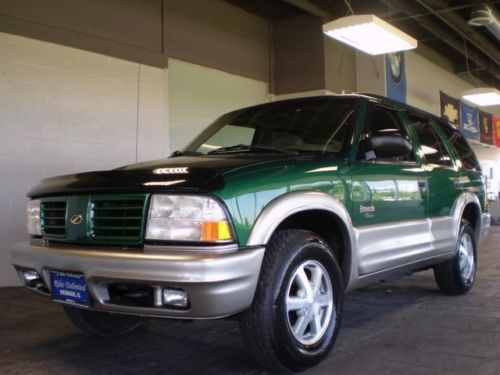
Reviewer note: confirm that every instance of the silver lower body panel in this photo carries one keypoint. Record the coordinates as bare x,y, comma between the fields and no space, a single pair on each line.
485,228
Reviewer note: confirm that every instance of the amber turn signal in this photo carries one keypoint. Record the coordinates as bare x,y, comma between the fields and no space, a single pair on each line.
215,231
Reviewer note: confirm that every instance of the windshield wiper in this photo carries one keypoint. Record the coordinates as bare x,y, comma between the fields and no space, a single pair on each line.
250,148
185,153
313,152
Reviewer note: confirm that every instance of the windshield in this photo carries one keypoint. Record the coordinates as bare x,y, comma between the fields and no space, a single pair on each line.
313,125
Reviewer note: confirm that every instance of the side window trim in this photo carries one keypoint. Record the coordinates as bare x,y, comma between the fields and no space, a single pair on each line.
446,142
405,117
412,136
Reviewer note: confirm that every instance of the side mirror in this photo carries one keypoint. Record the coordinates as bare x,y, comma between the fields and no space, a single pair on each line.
388,146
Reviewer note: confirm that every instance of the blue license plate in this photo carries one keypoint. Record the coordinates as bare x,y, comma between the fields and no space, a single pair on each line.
69,288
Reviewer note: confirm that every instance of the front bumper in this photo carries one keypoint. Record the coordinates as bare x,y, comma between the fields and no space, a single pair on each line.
217,284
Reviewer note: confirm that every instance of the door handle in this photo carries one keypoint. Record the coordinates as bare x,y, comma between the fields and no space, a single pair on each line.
422,183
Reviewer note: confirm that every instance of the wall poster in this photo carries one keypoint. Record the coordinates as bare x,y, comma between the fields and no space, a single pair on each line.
450,109
395,76
469,123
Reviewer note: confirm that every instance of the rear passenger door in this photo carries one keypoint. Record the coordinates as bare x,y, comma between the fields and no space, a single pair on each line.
443,175
443,183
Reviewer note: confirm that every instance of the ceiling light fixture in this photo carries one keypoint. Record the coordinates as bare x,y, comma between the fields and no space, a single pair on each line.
483,96
370,34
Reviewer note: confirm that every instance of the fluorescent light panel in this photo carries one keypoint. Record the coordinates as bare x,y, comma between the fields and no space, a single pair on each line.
483,96
370,34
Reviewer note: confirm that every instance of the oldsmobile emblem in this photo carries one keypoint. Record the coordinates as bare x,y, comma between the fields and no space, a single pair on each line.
76,219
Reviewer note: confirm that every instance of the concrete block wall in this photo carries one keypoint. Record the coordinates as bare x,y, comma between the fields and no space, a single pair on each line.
219,35
198,95
64,110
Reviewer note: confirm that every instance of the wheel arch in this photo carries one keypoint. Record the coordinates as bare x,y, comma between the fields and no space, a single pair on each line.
468,207
310,210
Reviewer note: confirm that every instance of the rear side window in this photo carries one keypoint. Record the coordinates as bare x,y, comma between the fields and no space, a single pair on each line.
459,143
432,147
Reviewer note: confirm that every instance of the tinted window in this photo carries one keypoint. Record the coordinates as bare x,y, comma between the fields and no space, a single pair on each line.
382,121
432,146
310,125
459,143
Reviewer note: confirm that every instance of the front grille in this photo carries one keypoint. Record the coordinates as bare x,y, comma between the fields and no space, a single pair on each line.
53,218
117,220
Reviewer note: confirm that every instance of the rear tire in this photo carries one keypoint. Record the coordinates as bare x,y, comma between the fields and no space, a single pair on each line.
457,276
297,309
99,323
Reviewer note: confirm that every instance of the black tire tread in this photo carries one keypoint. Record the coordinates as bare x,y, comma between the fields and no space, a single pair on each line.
253,323
258,344
447,274
445,278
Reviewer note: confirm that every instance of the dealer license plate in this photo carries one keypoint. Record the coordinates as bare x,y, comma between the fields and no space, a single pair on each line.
68,287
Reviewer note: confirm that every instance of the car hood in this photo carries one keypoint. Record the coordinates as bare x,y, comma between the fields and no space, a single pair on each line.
196,173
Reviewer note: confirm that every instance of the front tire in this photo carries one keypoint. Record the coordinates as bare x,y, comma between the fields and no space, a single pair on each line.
99,323
457,276
297,309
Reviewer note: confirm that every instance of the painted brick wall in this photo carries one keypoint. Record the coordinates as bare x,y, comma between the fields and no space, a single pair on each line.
64,110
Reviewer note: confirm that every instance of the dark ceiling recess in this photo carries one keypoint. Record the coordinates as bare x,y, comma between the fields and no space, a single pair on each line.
438,24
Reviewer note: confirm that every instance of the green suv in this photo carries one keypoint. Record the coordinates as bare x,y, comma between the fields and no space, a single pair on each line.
270,215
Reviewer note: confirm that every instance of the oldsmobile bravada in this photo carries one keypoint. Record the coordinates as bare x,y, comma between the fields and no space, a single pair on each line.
270,215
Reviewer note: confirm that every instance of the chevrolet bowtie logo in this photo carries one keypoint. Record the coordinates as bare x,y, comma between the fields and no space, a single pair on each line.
76,219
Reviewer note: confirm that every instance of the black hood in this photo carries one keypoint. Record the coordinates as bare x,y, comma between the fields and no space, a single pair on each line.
197,173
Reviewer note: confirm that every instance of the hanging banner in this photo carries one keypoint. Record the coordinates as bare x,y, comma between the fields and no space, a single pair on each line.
469,122
496,130
395,76
486,127
450,109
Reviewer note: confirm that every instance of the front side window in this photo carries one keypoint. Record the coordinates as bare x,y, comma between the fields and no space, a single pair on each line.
311,126
383,121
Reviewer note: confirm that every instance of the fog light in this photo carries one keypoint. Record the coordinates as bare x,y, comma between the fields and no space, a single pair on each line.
175,297
32,278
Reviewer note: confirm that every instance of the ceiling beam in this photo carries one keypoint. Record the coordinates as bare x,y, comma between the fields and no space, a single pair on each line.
448,9
443,34
457,23
310,8
445,14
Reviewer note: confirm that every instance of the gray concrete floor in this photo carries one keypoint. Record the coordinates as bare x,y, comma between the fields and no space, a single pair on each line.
402,327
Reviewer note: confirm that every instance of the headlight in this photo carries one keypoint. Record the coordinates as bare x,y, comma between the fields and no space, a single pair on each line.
33,218
187,218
